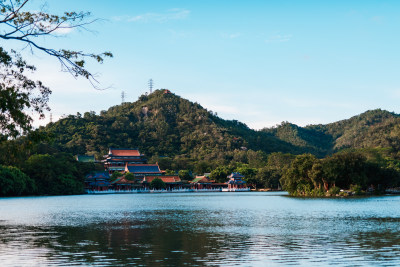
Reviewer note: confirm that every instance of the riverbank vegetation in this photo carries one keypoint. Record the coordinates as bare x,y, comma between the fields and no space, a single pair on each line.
187,140
355,172
32,165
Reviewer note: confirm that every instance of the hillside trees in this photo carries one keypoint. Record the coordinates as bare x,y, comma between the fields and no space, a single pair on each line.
19,95
58,174
310,176
13,182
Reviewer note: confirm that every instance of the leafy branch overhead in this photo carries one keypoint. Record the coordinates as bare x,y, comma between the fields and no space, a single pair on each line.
25,26
18,93
21,97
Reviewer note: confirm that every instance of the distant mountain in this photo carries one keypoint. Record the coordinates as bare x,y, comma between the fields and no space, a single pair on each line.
374,128
164,124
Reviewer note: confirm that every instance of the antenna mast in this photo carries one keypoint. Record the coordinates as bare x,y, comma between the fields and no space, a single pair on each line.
151,85
123,97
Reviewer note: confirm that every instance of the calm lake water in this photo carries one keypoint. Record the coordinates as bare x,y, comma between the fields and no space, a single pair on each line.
248,229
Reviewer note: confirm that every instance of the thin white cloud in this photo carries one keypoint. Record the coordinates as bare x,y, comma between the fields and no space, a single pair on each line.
313,103
64,29
279,38
396,93
168,15
231,35
180,34
378,19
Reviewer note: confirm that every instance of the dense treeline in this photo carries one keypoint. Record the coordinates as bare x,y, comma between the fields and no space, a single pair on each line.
355,171
30,167
186,139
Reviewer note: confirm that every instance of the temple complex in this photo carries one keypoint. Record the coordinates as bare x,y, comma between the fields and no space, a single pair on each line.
118,158
127,160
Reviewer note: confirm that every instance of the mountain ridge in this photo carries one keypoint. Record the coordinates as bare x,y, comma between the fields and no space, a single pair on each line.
163,124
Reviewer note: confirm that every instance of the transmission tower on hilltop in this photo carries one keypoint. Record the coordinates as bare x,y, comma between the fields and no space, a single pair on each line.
123,95
151,85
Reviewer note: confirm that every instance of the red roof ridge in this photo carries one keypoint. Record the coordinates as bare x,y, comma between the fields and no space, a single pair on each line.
125,152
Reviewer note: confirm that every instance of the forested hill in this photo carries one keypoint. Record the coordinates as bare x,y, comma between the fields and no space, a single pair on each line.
371,129
166,125
162,124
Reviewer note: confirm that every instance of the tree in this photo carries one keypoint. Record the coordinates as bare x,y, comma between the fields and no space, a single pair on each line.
297,176
268,177
185,175
129,176
13,182
220,174
115,175
249,175
157,183
201,167
19,95
316,175
57,174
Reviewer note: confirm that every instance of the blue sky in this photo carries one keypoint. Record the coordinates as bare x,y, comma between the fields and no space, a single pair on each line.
260,62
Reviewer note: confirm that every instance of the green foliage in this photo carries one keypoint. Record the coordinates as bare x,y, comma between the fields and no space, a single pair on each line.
356,189
372,129
277,165
250,175
333,191
172,131
202,167
57,174
129,176
221,173
157,183
181,135
21,96
349,169
297,176
185,175
115,175
13,182
170,172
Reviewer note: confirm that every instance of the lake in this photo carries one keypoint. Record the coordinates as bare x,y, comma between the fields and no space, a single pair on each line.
197,229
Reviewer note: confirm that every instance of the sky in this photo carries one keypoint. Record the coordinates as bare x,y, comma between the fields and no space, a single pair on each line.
259,62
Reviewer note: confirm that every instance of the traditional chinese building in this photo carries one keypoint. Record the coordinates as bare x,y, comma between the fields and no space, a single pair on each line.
200,179
123,184
204,182
143,170
99,181
236,181
118,158
171,181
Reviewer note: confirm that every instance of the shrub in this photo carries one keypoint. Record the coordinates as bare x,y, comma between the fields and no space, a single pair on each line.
333,191
157,183
13,182
356,189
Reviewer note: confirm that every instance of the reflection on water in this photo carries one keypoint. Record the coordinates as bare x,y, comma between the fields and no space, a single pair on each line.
199,229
